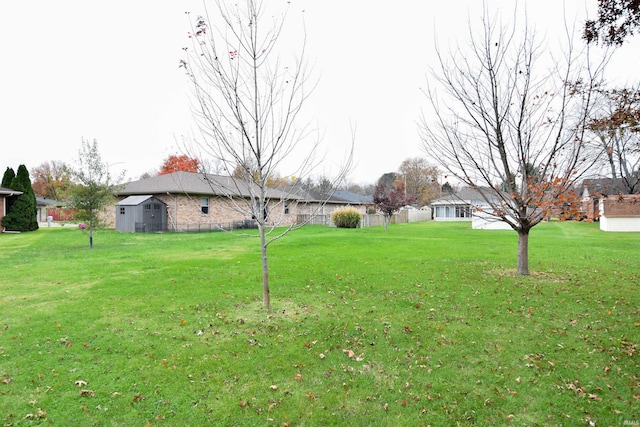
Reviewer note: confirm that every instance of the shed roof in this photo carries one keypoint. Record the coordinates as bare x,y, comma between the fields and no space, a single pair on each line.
134,200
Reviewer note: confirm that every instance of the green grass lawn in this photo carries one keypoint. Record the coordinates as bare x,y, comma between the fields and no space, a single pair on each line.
422,325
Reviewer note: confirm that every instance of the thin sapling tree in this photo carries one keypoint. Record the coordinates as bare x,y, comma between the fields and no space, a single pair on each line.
247,105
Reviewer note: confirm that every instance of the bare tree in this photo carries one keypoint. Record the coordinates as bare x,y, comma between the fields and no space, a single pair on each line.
420,179
247,105
616,134
509,122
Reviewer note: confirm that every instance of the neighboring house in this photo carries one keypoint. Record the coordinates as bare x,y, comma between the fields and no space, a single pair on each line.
51,208
6,194
456,206
202,201
620,213
467,205
593,190
142,214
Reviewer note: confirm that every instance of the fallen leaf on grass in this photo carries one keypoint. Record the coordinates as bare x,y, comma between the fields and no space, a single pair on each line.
81,383
321,356
349,353
298,377
6,380
273,387
138,397
89,393
38,415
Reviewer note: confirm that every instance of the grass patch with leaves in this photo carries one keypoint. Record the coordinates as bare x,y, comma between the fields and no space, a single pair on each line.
423,325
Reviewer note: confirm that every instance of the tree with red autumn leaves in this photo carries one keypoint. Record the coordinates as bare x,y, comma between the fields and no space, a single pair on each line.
389,198
179,162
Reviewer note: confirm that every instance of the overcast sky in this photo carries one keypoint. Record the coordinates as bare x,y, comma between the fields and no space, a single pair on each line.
74,69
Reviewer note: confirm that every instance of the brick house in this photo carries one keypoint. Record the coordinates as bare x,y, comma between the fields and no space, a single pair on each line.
196,201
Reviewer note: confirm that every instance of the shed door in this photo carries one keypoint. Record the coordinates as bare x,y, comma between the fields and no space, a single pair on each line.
152,216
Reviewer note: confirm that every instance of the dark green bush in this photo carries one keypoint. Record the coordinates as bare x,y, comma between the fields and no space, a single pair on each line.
346,218
23,210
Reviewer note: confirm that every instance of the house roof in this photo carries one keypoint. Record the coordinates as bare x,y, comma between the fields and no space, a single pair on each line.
466,196
9,192
194,183
604,186
43,201
134,200
339,197
352,197
218,185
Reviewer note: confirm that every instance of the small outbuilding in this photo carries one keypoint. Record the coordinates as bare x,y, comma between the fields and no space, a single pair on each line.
620,213
141,214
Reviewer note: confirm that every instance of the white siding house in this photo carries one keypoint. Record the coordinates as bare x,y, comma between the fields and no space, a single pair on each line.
467,205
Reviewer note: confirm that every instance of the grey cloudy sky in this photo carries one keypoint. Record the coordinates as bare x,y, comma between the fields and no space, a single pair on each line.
109,71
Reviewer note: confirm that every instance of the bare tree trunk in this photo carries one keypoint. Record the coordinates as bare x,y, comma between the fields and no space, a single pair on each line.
523,253
266,293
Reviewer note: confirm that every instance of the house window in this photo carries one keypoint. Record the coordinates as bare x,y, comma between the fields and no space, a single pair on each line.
286,207
463,212
204,205
121,210
156,206
453,212
147,206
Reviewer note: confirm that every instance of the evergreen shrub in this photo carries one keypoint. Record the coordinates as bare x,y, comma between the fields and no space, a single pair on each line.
346,218
22,214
